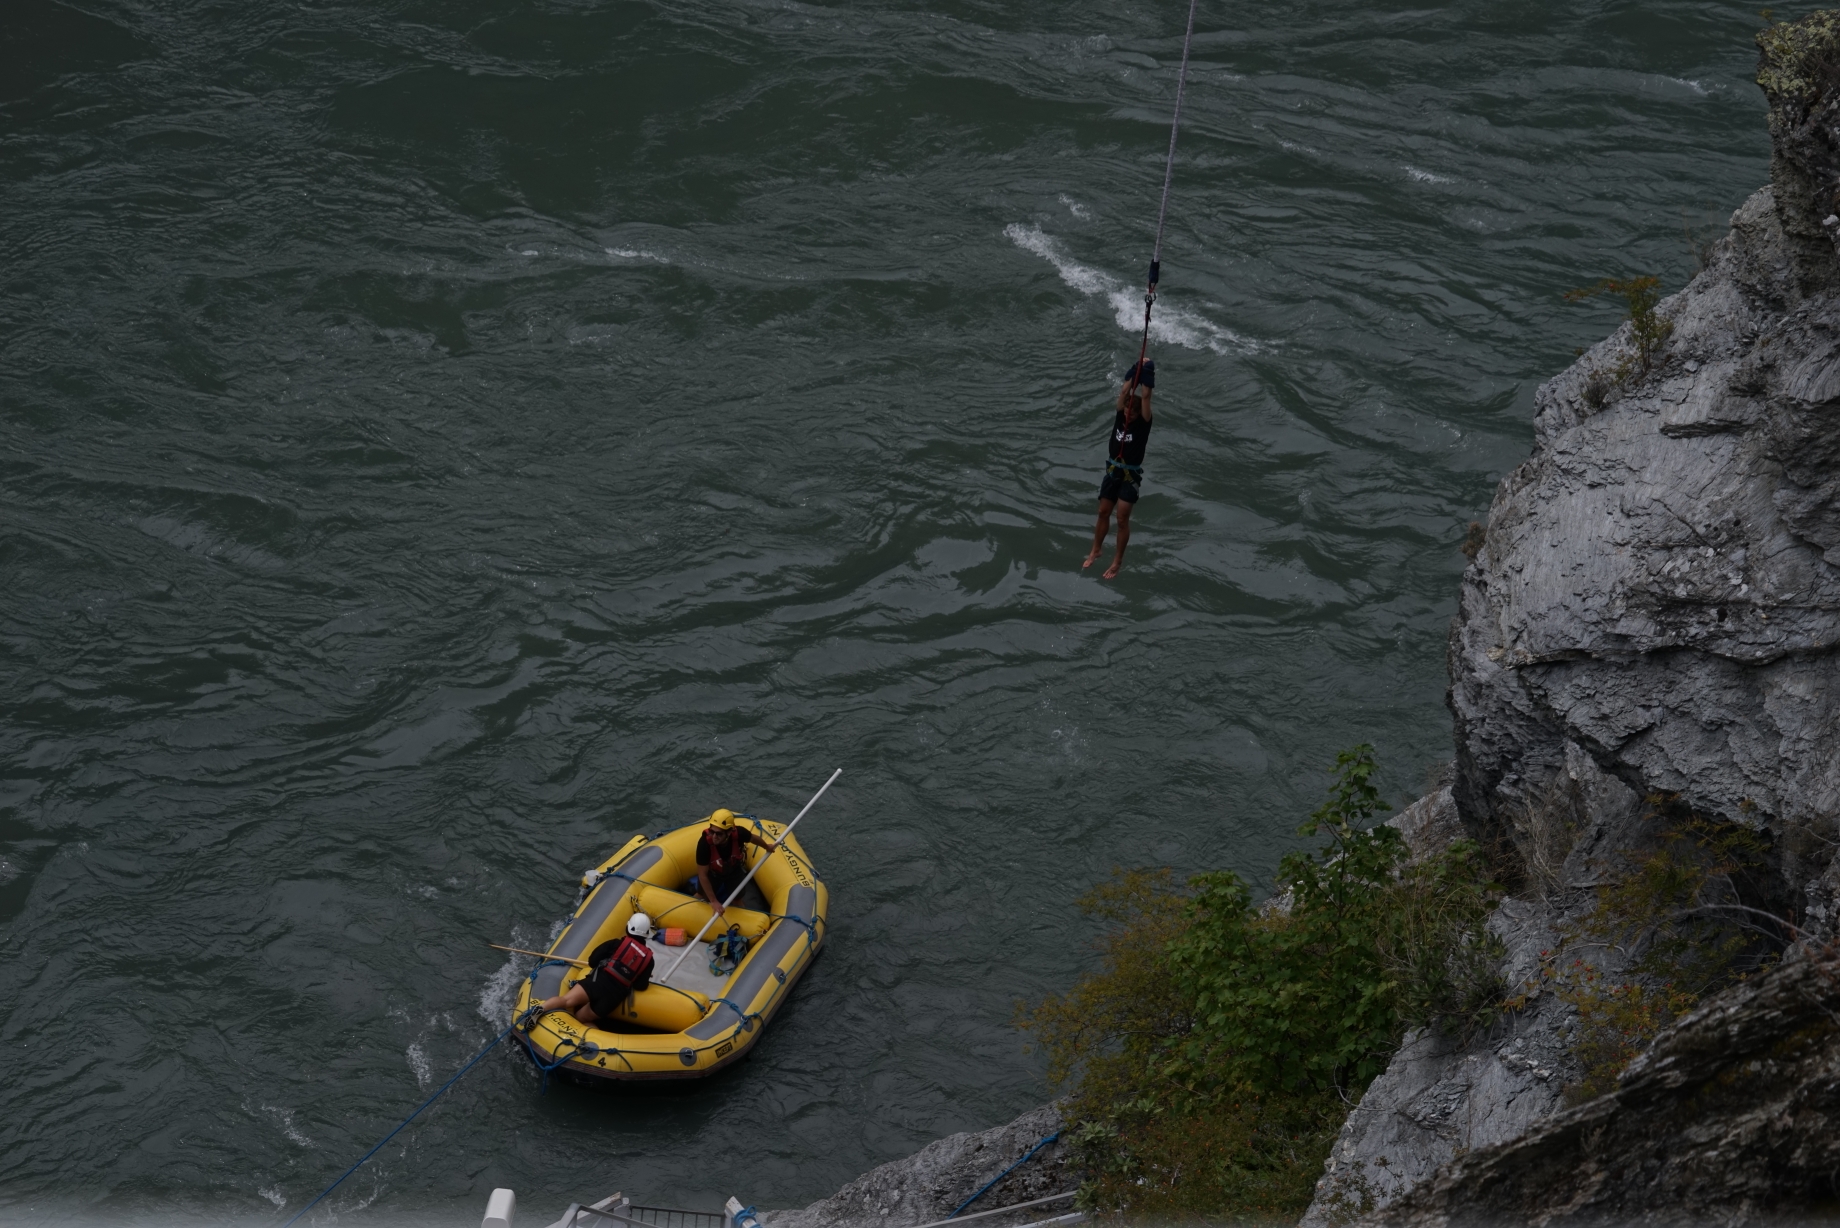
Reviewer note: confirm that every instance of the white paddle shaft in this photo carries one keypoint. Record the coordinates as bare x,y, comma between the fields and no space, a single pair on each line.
750,876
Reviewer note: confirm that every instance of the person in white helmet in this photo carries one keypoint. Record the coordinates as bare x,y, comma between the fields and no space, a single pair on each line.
619,967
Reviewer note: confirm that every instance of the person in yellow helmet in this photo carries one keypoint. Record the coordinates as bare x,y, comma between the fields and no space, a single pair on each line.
721,857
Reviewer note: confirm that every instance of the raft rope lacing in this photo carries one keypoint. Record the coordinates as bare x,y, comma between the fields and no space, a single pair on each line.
1162,213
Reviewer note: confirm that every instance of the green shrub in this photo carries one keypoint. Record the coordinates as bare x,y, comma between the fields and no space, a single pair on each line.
1672,915
1648,329
1215,1052
1616,1020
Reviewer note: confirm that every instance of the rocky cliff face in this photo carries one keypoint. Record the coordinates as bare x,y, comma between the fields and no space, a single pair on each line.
928,1185
1659,587
1654,610
1727,1118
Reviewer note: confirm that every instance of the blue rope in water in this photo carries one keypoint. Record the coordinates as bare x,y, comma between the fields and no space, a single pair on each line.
582,1049
404,1122
1006,1172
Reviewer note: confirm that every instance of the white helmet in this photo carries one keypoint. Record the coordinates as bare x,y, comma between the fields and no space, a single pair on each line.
640,926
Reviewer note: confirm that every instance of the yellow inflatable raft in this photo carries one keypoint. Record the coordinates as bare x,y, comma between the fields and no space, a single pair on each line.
697,1021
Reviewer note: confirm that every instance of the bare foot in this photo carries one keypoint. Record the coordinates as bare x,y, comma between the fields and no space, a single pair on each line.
1111,573
1088,560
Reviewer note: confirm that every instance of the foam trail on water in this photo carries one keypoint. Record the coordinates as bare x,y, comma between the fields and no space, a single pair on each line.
499,993
1170,325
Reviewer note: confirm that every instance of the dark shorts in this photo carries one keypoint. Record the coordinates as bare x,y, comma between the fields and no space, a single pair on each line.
724,884
605,995
1116,487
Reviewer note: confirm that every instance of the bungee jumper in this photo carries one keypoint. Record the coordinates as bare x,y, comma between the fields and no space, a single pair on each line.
1124,466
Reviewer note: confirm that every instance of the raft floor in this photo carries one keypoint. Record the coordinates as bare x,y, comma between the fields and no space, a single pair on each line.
694,974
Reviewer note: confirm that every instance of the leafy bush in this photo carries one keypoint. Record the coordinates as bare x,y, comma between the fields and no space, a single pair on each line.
1648,329
1217,1049
1616,1020
1674,918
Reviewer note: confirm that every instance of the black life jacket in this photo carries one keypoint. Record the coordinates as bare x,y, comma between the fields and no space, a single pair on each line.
719,861
630,960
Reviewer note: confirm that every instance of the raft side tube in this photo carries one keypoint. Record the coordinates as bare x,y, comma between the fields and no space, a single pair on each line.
578,939
689,913
663,1008
756,972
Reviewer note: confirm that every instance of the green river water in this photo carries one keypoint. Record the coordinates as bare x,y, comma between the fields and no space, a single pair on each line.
438,440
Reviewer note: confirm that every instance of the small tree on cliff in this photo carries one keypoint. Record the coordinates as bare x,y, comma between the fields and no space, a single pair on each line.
1648,328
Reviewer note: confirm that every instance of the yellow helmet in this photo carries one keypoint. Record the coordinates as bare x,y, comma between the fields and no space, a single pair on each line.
722,820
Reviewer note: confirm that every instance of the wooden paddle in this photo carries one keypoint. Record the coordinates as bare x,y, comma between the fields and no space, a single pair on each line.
579,963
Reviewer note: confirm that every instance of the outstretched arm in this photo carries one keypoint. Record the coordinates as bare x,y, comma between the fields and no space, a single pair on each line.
709,890
1142,391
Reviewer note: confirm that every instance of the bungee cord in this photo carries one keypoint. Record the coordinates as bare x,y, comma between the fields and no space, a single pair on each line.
1162,213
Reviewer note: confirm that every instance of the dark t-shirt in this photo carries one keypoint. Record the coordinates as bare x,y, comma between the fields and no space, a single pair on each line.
605,993
729,876
1128,442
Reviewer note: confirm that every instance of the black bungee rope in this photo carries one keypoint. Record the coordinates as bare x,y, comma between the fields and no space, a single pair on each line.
1162,213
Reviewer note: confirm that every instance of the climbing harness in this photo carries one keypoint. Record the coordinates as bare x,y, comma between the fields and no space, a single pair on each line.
472,1062
727,951
1026,1155
1162,213
1134,474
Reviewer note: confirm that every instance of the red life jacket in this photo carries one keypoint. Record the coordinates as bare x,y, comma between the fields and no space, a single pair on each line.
630,960
718,860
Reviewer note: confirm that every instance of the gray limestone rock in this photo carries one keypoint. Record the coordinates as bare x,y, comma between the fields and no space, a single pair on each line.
1443,1096
1655,585
1727,1118
1796,69
929,1184
1654,610
1430,824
